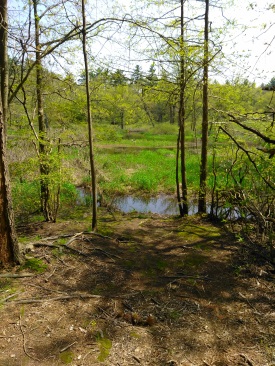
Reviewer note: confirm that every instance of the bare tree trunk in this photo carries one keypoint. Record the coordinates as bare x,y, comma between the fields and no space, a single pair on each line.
183,197
89,120
204,142
4,58
9,249
44,164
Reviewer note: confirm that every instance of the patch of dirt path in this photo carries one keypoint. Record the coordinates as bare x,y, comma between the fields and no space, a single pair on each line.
146,291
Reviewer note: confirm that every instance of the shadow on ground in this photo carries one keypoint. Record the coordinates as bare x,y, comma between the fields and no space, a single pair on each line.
146,291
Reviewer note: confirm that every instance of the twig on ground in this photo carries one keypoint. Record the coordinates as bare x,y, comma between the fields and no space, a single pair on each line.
73,296
136,359
47,289
9,297
24,341
74,250
50,275
73,238
40,244
16,275
65,297
107,254
246,360
249,303
99,235
58,237
51,245
186,276
67,347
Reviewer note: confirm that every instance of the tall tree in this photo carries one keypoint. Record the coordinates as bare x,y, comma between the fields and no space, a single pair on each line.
182,195
204,140
43,153
89,117
9,249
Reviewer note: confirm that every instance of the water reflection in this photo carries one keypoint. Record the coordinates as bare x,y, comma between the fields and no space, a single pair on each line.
161,204
167,205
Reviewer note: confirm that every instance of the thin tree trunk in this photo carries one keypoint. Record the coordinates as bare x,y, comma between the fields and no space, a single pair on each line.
9,249
89,119
44,165
4,58
204,145
183,198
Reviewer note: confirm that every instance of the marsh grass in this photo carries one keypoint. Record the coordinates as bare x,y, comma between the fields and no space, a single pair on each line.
140,161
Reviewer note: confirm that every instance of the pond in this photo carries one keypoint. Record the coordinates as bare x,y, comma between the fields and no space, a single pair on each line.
161,204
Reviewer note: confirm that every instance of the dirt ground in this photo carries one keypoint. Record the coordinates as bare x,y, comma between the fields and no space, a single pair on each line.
147,290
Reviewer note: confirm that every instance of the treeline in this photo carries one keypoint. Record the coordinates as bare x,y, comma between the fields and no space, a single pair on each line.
129,100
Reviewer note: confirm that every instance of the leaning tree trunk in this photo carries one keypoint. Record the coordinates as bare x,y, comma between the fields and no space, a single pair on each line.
182,195
204,142
89,120
9,249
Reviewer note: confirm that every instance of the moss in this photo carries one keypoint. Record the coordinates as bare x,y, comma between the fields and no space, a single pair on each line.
104,345
195,260
66,357
35,265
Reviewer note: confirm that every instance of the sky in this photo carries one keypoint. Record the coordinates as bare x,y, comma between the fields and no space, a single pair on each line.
256,40
250,44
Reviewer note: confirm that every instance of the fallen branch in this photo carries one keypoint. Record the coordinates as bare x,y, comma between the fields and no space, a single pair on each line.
73,239
47,289
99,235
74,250
16,275
68,297
58,298
186,276
51,245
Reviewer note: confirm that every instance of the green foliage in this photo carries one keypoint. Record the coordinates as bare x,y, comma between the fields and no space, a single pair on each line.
35,265
26,197
108,133
68,194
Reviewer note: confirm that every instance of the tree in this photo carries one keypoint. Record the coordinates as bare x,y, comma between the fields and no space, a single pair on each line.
137,75
9,249
182,195
204,142
89,117
270,85
43,143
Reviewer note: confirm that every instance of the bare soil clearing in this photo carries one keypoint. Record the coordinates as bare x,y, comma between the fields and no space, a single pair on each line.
150,291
